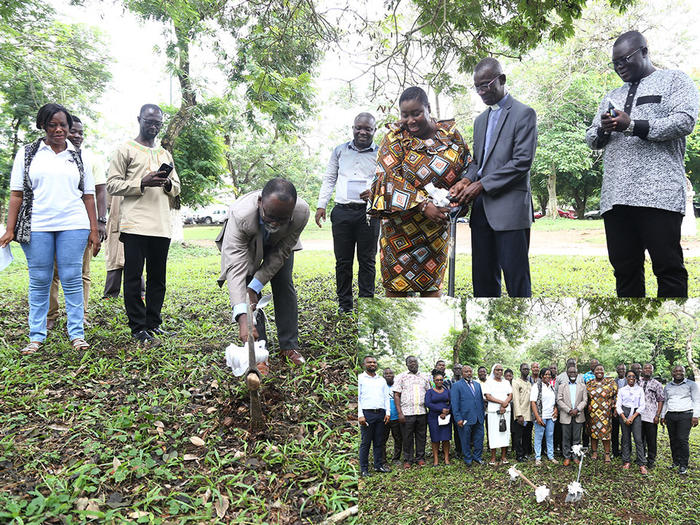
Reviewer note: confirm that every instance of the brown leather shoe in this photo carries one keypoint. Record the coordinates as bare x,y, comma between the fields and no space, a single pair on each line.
577,461
294,356
50,324
567,462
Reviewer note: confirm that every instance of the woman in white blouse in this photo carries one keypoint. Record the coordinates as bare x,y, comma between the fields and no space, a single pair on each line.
630,404
543,404
52,215
499,394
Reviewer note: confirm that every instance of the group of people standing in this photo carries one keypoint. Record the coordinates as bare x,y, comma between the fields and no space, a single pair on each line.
588,409
641,128
54,217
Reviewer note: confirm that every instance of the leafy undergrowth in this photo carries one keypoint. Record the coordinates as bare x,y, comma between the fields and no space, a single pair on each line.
160,435
483,494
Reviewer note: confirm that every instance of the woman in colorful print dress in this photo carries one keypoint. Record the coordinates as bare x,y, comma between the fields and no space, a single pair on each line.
416,151
602,394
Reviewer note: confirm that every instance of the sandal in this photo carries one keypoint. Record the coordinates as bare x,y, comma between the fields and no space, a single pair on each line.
31,348
594,455
79,344
607,458
493,463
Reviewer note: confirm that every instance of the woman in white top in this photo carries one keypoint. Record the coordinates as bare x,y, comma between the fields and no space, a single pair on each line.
498,393
630,404
543,404
52,216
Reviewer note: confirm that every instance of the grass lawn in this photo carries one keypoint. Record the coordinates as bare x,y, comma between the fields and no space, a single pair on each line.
106,433
482,494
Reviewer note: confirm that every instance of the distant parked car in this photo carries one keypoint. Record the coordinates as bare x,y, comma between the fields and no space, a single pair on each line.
593,214
211,215
566,214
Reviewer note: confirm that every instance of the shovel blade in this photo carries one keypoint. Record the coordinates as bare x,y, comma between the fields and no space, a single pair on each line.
257,422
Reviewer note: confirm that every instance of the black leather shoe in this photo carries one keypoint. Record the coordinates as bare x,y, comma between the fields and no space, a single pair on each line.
382,469
683,471
364,473
145,339
159,332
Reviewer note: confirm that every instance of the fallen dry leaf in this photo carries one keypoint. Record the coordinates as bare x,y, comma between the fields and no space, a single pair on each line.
206,496
81,503
60,428
197,441
138,514
159,424
115,464
211,410
214,384
221,506
190,457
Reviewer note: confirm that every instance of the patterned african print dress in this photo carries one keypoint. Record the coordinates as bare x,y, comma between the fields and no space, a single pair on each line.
601,403
413,249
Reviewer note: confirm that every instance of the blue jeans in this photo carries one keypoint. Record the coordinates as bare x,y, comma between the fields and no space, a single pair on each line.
67,248
548,430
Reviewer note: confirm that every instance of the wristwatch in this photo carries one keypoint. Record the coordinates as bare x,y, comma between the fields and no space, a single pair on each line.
630,128
103,220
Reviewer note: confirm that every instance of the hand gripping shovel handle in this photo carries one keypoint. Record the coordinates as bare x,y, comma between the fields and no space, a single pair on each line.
252,369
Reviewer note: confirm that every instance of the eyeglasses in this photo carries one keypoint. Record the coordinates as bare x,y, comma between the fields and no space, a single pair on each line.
619,62
485,86
270,219
149,122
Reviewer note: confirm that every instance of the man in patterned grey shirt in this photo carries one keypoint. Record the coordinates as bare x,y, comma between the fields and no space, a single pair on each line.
643,193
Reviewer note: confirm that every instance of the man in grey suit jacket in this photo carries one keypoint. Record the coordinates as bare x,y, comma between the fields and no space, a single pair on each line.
257,246
498,183
571,412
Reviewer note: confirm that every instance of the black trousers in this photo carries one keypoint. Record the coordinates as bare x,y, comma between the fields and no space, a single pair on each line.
372,434
154,252
615,435
649,433
413,432
570,436
557,435
629,431
522,438
496,251
350,230
284,296
113,284
678,425
629,230
458,441
393,428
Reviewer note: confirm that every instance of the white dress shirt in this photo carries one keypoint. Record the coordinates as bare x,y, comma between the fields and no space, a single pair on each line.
350,171
372,393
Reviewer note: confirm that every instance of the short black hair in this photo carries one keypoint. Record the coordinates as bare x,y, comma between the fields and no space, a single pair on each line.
368,356
411,357
46,113
366,115
415,93
438,373
508,370
635,37
281,188
76,119
146,107
481,368
491,64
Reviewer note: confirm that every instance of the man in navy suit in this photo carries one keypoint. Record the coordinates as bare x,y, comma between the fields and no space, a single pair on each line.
497,182
468,410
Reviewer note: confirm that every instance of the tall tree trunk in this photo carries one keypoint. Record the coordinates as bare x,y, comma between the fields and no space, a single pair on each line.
463,334
552,211
189,100
689,350
6,177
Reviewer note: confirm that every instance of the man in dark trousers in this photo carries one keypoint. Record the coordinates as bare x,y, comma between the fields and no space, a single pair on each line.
497,182
680,412
350,172
372,414
641,128
467,403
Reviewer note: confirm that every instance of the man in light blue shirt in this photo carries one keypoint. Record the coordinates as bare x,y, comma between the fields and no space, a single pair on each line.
350,172
372,413
680,412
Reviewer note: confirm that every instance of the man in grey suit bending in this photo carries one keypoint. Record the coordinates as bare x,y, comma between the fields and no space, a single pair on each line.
497,183
257,246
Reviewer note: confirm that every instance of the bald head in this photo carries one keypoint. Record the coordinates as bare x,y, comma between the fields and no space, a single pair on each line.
490,65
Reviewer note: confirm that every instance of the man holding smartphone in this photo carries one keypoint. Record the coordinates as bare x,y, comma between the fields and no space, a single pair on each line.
641,128
143,174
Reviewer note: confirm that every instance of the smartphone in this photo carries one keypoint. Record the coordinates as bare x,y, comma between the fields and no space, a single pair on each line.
167,168
611,109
